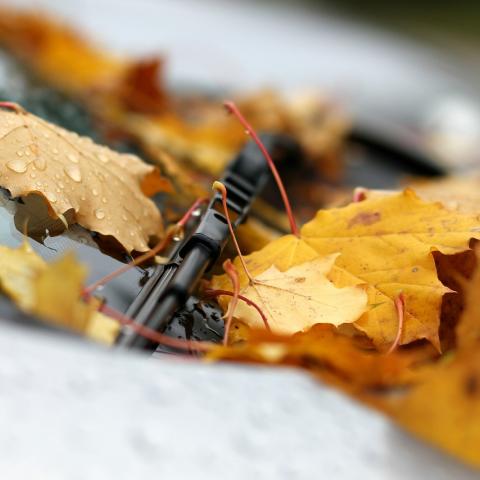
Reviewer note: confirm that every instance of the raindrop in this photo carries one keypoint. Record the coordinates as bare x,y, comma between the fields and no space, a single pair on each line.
197,212
73,158
99,213
39,184
104,200
40,163
55,151
17,165
124,217
103,158
132,233
33,175
27,152
61,185
73,172
179,237
20,153
51,197
94,192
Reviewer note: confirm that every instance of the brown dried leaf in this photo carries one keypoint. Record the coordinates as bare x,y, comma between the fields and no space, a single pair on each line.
103,188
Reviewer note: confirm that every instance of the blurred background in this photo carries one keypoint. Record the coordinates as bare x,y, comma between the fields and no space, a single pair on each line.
412,66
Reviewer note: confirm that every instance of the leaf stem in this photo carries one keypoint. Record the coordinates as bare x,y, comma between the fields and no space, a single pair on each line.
231,271
251,303
153,335
171,232
12,106
400,307
233,109
359,195
220,187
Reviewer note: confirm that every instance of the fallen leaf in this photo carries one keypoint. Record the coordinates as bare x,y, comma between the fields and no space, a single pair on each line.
456,193
300,297
19,267
103,188
340,360
52,291
445,408
385,243
454,272
468,328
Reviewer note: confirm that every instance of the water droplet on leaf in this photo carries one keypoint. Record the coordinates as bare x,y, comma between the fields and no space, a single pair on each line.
73,172
40,163
51,197
17,165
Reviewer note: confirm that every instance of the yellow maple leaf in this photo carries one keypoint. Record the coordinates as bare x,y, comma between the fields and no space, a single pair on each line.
300,297
52,291
105,190
386,243
19,268
445,408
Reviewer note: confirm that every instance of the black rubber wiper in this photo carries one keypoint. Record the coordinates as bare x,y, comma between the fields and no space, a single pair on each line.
171,285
